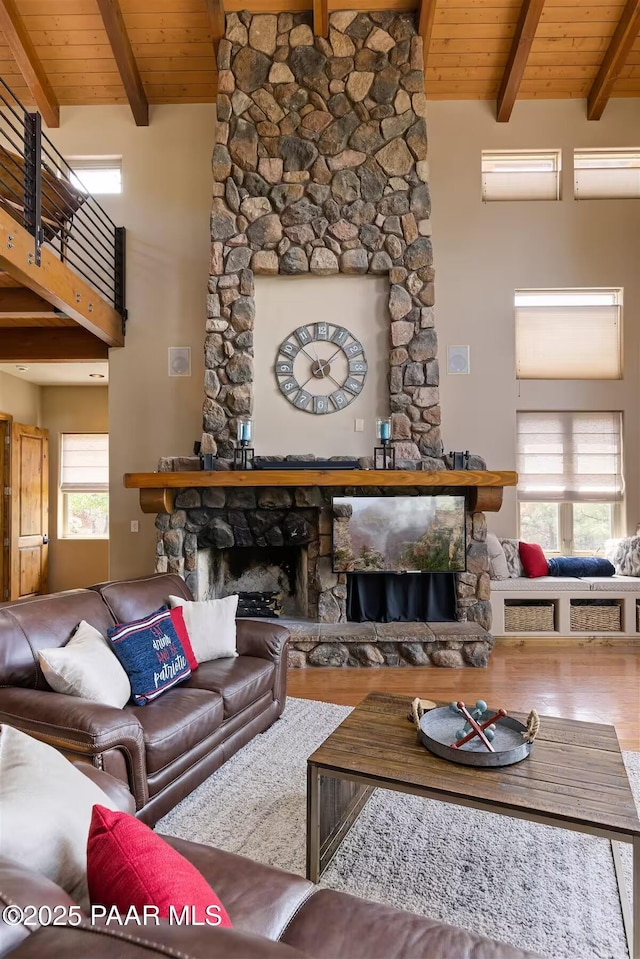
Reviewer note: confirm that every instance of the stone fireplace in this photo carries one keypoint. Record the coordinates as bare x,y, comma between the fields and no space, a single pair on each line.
320,167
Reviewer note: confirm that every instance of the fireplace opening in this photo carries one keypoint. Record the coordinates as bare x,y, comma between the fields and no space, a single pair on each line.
270,580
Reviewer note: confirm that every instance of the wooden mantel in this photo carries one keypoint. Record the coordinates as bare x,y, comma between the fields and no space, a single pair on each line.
157,490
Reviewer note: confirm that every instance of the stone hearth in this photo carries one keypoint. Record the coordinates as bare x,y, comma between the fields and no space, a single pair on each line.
388,644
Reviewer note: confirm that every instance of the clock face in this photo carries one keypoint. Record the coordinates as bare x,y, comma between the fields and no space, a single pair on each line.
321,368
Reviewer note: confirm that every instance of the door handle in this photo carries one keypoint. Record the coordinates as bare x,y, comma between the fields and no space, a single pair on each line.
45,540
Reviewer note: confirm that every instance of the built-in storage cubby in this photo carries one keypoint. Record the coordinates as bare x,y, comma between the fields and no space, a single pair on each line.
529,616
597,615
566,606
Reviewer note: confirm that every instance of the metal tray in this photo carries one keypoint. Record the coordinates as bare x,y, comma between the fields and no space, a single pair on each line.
438,729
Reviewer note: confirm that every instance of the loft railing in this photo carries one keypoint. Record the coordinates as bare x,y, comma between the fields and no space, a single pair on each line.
39,189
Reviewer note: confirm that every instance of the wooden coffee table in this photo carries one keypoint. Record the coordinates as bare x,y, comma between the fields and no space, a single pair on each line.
575,779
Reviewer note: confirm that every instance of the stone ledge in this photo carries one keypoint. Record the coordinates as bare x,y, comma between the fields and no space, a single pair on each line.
452,645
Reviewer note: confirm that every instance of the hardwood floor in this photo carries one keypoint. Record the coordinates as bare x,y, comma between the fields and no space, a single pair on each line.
599,684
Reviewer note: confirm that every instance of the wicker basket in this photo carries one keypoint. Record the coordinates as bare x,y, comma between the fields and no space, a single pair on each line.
598,619
529,618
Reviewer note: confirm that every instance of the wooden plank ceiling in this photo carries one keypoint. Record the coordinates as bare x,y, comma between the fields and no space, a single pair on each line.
470,53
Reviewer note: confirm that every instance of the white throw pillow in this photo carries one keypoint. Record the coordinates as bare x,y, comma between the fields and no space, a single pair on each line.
86,667
45,811
498,568
211,625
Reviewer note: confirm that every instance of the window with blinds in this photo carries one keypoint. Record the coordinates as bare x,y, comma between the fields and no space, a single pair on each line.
96,175
84,486
521,175
568,334
606,174
571,457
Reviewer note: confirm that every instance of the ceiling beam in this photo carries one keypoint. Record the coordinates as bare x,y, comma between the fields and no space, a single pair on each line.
614,59
426,16
65,345
215,9
530,13
125,60
24,53
321,18
21,304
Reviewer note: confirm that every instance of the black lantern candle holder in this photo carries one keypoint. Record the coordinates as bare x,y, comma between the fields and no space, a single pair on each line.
384,456
243,453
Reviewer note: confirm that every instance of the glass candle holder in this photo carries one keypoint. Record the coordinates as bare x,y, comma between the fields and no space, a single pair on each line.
383,429
244,430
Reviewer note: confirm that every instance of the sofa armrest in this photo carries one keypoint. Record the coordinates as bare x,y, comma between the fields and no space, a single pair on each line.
260,639
117,790
187,942
266,641
78,728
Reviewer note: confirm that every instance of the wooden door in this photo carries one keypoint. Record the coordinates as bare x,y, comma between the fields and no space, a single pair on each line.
5,507
29,510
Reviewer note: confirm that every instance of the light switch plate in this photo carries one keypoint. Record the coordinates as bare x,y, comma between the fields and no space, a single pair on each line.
358,426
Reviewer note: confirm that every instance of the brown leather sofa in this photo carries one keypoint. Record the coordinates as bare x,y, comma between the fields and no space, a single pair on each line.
275,915
162,751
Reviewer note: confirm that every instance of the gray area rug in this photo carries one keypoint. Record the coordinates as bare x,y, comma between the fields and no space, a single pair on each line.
538,887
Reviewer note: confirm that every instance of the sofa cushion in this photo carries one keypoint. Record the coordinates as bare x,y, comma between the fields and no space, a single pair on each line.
239,681
129,865
176,723
86,667
46,810
152,655
549,584
130,599
41,622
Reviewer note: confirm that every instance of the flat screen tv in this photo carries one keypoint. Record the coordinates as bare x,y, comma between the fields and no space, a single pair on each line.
399,534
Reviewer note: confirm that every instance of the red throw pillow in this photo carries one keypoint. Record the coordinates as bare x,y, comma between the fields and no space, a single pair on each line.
129,865
177,618
533,559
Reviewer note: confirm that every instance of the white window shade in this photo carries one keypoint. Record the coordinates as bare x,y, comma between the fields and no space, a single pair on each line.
521,176
570,457
84,462
568,342
606,174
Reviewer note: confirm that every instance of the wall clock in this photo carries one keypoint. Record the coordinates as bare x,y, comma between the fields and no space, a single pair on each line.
321,368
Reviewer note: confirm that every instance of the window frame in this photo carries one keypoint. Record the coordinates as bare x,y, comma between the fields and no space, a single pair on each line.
565,507
80,164
608,157
552,156
566,298
566,537
66,490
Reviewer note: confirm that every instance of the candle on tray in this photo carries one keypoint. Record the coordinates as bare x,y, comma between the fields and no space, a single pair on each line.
244,431
383,429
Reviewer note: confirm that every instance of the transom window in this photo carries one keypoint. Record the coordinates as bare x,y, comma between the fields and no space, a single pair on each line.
573,334
96,175
84,486
521,175
606,174
570,484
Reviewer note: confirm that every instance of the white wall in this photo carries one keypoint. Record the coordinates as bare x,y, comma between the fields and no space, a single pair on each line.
483,252
359,303
20,399
165,206
73,563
